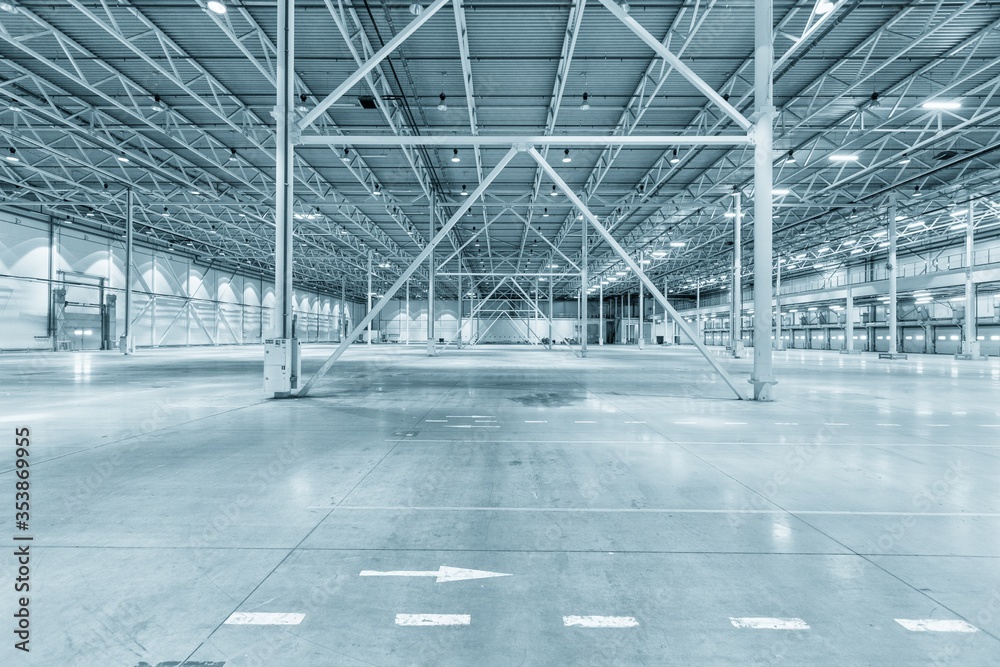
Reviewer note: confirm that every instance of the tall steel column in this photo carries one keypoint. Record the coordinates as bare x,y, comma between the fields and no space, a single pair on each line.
343,308
779,343
971,345
762,377
281,357
430,285
736,307
368,331
849,328
127,338
642,304
697,310
891,268
551,330
459,338
584,280
406,338
600,314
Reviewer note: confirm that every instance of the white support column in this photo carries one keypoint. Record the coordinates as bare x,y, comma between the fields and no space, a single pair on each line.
127,347
891,268
430,286
282,384
584,280
970,346
779,343
849,328
368,308
762,377
736,311
600,314
697,309
552,343
642,305
459,339
343,308
407,320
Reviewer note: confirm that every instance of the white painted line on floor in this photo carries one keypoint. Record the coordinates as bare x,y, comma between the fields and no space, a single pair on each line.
600,622
939,424
535,421
961,413
628,422
443,574
436,421
685,422
471,416
764,623
432,619
888,424
836,424
786,423
584,421
990,425
936,625
486,421
263,618
652,510
734,423
470,426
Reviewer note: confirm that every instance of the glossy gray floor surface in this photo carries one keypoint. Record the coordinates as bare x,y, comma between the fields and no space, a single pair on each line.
643,516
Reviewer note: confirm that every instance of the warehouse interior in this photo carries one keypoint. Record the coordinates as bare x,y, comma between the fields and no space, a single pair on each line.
376,332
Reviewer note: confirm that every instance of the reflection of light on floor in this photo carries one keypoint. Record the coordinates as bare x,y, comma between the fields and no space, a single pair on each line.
81,368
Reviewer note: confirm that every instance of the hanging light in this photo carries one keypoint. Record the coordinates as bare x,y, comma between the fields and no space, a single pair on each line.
790,158
378,190
465,192
566,158
916,191
232,155
442,106
673,158
217,6
554,193
545,213
454,156
586,105
13,157
157,106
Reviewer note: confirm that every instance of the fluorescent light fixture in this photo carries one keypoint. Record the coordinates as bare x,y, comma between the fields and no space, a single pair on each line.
729,214
812,309
958,214
779,192
7,7
123,159
217,7
658,254
821,250
677,244
939,105
883,244
879,234
612,279
850,242
621,273
824,7
905,160
843,157
857,250
644,261
960,225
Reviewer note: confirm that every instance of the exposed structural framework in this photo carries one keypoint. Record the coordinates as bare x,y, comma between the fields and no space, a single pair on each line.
282,364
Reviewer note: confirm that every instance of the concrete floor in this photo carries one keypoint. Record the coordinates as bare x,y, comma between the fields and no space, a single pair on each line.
167,496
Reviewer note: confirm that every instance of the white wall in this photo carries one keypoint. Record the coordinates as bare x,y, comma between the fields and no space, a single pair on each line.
176,301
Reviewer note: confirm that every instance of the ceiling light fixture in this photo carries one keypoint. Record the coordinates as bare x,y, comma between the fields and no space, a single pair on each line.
217,7
13,157
232,155
465,191
454,155
824,7
545,213
122,158
729,214
378,190
790,158
677,244
8,7
157,106
442,106
555,193
673,157
586,105
779,192
843,157
938,105
566,158
916,191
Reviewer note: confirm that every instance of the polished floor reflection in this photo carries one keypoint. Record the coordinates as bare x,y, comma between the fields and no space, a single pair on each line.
508,506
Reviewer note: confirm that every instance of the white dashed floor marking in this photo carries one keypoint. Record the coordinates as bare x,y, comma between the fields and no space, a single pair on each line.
600,622
765,623
936,625
263,618
432,619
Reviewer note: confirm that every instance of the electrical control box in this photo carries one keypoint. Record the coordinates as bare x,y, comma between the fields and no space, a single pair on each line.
282,365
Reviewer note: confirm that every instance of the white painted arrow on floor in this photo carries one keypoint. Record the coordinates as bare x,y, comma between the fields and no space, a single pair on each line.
444,574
